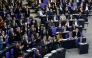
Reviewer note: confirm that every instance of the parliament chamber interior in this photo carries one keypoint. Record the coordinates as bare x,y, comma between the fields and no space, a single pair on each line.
43,28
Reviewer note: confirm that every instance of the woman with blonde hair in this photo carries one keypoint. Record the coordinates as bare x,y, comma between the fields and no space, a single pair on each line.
1,42
60,37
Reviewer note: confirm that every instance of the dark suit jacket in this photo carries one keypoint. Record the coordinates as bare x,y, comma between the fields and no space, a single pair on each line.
77,23
34,23
16,51
77,34
27,15
11,38
26,45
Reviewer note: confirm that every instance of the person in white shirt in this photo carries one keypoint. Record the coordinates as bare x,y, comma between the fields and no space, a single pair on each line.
55,18
87,9
40,12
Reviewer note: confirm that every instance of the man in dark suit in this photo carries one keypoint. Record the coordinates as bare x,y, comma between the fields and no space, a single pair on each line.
11,36
55,17
37,54
77,33
76,22
50,13
20,23
33,22
17,49
27,43
87,8
27,12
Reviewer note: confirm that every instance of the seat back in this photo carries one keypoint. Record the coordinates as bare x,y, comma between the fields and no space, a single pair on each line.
42,5
45,1
7,55
12,51
7,42
53,31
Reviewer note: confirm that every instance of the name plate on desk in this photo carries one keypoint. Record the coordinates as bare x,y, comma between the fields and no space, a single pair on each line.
53,51
82,43
29,50
64,39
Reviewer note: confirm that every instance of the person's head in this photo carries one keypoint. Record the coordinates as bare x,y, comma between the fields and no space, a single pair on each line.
32,26
82,0
38,24
18,29
18,43
51,10
37,34
49,38
8,15
51,21
73,25
71,16
77,29
32,35
4,23
70,32
44,27
27,19
62,14
53,5
66,4
26,37
44,38
75,19
54,37
12,30
25,24
20,20
37,51
86,4
3,32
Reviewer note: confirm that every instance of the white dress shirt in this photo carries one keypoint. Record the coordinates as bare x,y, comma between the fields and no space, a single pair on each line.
77,0
39,1
40,12
76,24
86,8
55,19
52,0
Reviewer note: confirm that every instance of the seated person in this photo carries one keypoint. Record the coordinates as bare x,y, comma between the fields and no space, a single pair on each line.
18,49
55,17
37,54
60,37
76,32
69,35
27,43
1,42
76,22
40,12
80,40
